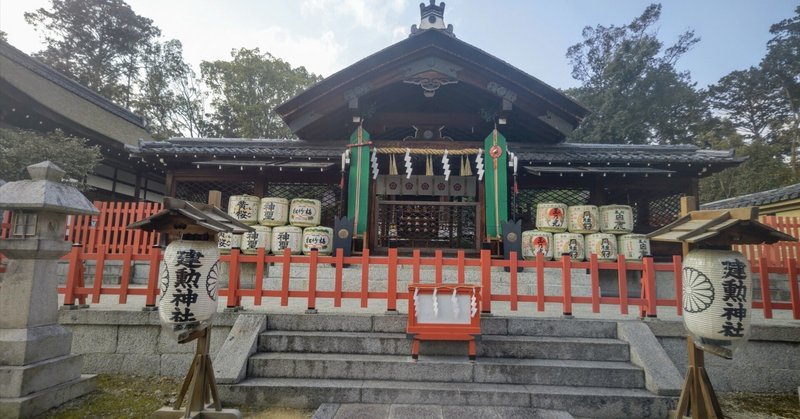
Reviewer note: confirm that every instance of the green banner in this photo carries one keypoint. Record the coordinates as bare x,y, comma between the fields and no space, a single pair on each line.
358,185
496,181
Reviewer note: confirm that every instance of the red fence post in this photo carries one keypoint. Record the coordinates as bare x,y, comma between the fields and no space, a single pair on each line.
99,267
364,278
152,278
337,286
622,279
794,292
766,297
513,280
460,267
594,272
74,274
438,266
391,287
125,279
540,282
311,307
486,281
677,267
650,289
258,287
566,284
234,299
286,261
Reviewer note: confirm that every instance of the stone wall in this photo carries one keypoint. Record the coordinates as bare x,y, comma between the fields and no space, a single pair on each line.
133,342
768,362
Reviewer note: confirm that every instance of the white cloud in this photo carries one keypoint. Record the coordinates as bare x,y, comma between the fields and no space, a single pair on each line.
376,15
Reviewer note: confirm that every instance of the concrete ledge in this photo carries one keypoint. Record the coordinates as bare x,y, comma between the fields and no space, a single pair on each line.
660,375
230,364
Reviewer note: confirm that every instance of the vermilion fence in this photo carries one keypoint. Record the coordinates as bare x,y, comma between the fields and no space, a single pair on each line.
104,237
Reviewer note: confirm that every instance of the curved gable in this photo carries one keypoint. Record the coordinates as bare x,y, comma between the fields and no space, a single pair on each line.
432,80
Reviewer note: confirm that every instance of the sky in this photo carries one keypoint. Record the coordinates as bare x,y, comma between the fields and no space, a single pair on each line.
326,36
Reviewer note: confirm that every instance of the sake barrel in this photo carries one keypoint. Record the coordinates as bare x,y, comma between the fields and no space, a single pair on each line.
320,238
227,241
634,246
188,298
536,242
260,237
304,212
616,219
583,219
287,237
273,212
551,217
244,208
604,245
570,243
717,294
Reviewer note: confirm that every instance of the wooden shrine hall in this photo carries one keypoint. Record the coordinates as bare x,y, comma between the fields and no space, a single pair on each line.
431,143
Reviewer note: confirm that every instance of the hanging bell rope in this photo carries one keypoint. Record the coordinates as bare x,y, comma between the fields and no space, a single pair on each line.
393,165
428,165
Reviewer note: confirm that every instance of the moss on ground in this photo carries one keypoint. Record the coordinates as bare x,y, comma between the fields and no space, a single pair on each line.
760,405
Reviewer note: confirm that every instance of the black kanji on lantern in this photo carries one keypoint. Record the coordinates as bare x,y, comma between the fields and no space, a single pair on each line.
734,294
187,280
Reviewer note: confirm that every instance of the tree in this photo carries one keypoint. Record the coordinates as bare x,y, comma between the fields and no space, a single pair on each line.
246,90
21,148
100,43
3,36
751,101
630,83
167,95
782,65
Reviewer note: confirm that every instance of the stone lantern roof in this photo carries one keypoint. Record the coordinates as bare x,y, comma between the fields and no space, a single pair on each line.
44,192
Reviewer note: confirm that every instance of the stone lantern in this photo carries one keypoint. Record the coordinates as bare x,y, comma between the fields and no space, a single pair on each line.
35,362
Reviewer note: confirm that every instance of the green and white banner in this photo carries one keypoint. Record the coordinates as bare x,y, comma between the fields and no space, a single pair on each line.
358,185
496,179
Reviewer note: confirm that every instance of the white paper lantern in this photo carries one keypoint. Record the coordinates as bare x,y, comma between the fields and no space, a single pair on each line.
244,208
717,295
188,298
536,242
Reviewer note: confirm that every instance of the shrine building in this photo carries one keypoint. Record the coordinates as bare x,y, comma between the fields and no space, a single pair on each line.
432,143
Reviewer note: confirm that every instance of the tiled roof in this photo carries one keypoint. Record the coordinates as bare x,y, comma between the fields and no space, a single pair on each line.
757,199
561,153
49,73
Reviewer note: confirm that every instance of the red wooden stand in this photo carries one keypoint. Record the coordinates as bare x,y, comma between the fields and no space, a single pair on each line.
444,331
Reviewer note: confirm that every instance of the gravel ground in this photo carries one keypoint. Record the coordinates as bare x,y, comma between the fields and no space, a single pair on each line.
119,396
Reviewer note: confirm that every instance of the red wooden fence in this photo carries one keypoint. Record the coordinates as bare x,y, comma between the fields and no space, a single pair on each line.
104,237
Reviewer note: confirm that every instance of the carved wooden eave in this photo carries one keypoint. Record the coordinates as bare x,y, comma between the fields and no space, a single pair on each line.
432,78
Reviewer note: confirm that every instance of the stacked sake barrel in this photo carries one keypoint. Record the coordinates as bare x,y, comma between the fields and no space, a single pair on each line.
581,230
279,224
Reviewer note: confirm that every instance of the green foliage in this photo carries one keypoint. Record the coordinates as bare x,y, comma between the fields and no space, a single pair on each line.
246,90
630,83
3,36
100,43
21,148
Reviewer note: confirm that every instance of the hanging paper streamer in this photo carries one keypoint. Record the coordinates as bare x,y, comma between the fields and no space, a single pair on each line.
510,159
407,158
446,165
428,165
479,164
393,165
454,303
473,304
416,303
435,303
374,160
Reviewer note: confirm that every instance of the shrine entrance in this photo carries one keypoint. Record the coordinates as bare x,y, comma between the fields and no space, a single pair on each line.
427,223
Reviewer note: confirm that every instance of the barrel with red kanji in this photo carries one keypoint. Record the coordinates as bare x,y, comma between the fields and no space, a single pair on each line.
551,217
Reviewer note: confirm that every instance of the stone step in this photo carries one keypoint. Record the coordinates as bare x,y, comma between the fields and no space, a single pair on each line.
597,402
492,346
414,411
544,327
445,369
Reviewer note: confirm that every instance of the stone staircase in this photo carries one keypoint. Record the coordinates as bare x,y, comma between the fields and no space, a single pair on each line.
579,366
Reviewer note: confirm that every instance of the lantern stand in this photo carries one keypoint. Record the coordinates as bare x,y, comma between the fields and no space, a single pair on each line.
193,221
713,229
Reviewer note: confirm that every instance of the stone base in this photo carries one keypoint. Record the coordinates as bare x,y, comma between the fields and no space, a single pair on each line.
41,401
170,413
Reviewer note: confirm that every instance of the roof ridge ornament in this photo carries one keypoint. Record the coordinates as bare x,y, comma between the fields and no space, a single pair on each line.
431,17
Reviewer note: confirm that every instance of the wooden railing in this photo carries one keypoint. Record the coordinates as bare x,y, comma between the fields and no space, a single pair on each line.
774,254
76,293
